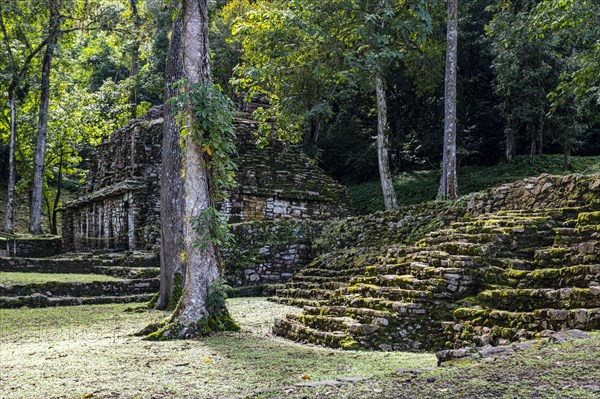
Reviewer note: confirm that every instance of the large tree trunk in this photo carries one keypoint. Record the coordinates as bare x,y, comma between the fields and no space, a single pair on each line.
202,265
171,183
389,195
40,153
11,164
135,50
448,184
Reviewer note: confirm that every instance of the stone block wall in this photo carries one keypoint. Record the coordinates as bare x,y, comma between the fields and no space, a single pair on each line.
545,191
120,206
37,247
280,193
269,251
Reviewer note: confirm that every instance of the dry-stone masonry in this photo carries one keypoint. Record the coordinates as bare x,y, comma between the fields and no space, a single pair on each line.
120,205
29,246
505,265
280,193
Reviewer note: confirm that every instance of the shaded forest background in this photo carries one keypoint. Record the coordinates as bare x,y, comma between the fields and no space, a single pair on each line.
528,81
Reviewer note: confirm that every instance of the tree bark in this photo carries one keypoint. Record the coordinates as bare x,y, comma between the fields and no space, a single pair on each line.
38,172
54,219
171,183
389,195
448,183
11,165
510,147
533,145
201,262
567,161
135,50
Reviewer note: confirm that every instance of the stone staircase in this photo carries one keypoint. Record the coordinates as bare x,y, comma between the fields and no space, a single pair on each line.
135,279
493,278
555,287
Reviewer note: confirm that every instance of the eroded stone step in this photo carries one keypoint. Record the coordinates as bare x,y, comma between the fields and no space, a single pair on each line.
407,281
79,289
536,320
311,293
292,329
130,273
42,301
499,327
581,276
299,302
530,299
308,285
392,293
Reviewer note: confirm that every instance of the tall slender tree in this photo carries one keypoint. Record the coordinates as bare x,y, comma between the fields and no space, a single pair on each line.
135,56
18,73
448,184
383,157
35,220
171,183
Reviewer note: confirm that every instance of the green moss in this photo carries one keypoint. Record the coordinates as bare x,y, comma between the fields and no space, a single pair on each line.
588,218
176,291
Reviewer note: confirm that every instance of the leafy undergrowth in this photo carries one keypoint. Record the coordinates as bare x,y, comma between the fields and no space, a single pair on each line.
10,278
417,187
569,370
73,351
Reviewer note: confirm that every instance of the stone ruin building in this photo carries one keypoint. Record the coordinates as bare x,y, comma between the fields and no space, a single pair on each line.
280,193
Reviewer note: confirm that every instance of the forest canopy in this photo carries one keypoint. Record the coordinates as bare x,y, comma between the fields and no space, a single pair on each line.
528,79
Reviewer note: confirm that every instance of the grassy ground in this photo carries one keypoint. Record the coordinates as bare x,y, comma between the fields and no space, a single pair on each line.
570,370
69,352
10,278
413,188
76,351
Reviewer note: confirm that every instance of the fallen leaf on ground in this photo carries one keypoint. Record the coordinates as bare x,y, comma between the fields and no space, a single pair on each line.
305,377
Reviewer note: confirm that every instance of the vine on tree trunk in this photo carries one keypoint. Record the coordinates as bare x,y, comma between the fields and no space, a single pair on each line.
205,115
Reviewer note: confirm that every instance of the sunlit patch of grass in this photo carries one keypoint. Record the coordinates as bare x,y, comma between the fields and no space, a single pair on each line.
570,370
66,352
11,278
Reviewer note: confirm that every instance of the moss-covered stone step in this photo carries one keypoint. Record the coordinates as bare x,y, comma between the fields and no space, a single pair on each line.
78,289
588,218
42,301
77,263
348,325
363,310
495,327
312,293
530,299
581,276
407,281
514,264
537,320
461,248
298,302
324,272
342,259
392,293
50,265
292,329
565,256
308,285
127,272
454,235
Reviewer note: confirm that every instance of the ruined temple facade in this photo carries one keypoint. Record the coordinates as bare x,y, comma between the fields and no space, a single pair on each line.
119,208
